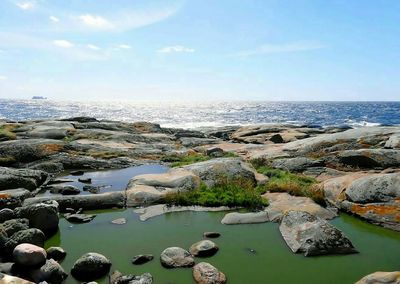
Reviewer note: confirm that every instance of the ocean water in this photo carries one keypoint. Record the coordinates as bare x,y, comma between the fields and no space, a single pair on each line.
204,114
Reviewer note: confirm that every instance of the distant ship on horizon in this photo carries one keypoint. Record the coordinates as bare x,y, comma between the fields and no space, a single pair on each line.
39,98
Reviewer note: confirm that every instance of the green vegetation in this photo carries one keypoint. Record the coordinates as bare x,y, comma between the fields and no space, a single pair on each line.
284,181
231,193
6,132
191,158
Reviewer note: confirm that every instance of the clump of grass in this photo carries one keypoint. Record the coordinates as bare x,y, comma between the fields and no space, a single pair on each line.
294,184
6,132
231,193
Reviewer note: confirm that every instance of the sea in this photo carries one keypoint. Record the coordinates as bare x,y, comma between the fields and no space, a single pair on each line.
192,115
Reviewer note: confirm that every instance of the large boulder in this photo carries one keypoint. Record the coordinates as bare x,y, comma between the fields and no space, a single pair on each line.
305,233
21,178
43,216
215,170
375,188
281,202
204,248
370,158
91,266
205,273
50,272
150,188
381,278
174,257
29,255
13,198
31,236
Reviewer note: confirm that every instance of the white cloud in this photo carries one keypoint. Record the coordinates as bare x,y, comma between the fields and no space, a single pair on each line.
281,48
175,48
54,19
3,78
94,21
63,43
26,5
92,46
124,46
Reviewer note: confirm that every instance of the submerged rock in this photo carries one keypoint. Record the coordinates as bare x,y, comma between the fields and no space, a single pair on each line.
91,266
142,258
211,235
118,278
29,255
204,248
381,278
235,218
64,189
305,233
79,217
205,273
174,257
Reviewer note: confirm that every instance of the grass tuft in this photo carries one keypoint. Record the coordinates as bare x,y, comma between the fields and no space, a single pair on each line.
6,132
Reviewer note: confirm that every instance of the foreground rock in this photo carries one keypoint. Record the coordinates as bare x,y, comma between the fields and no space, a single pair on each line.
118,278
50,272
175,257
204,248
30,236
91,266
8,279
381,278
305,233
29,255
205,273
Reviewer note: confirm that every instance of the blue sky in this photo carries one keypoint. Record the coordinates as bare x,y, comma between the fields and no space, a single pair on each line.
200,49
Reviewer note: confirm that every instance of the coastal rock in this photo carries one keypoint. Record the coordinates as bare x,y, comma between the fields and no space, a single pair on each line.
214,152
298,164
43,216
305,233
49,130
47,166
15,225
205,273
119,221
79,217
50,272
29,255
174,257
30,236
64,189
235,218
281,202
381,278
86,202
150,188
8,279
370,158
374,189
91,266
212,171
6,214
203,248
142,258
21,178
118,278
56,253
13,198
393,142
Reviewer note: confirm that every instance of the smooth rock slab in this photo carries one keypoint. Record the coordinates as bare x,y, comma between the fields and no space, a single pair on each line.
234,218
381,278
205,273
204,248
91,266
305,233
174,257
29,255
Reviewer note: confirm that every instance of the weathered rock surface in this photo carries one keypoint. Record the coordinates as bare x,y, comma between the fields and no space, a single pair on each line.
91,266
15,225
175,257
29,255
13,198
79,217
64,189
381,278
298,164
370,158
31,236
305,233
8,279
203,248
50,272
21,178
142,258
118,278
43,216
205,273
6,214
56,253
235,218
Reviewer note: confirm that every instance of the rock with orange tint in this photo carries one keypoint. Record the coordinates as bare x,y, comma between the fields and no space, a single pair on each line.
381,278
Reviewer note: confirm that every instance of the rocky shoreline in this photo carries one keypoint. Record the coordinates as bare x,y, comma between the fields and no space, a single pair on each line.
357,171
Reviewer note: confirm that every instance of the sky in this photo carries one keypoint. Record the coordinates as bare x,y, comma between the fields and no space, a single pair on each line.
200,49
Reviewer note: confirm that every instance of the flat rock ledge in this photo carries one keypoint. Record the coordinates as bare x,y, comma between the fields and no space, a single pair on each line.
160,209
381,278
308,234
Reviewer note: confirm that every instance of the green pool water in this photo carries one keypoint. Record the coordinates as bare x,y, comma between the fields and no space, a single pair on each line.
272,261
